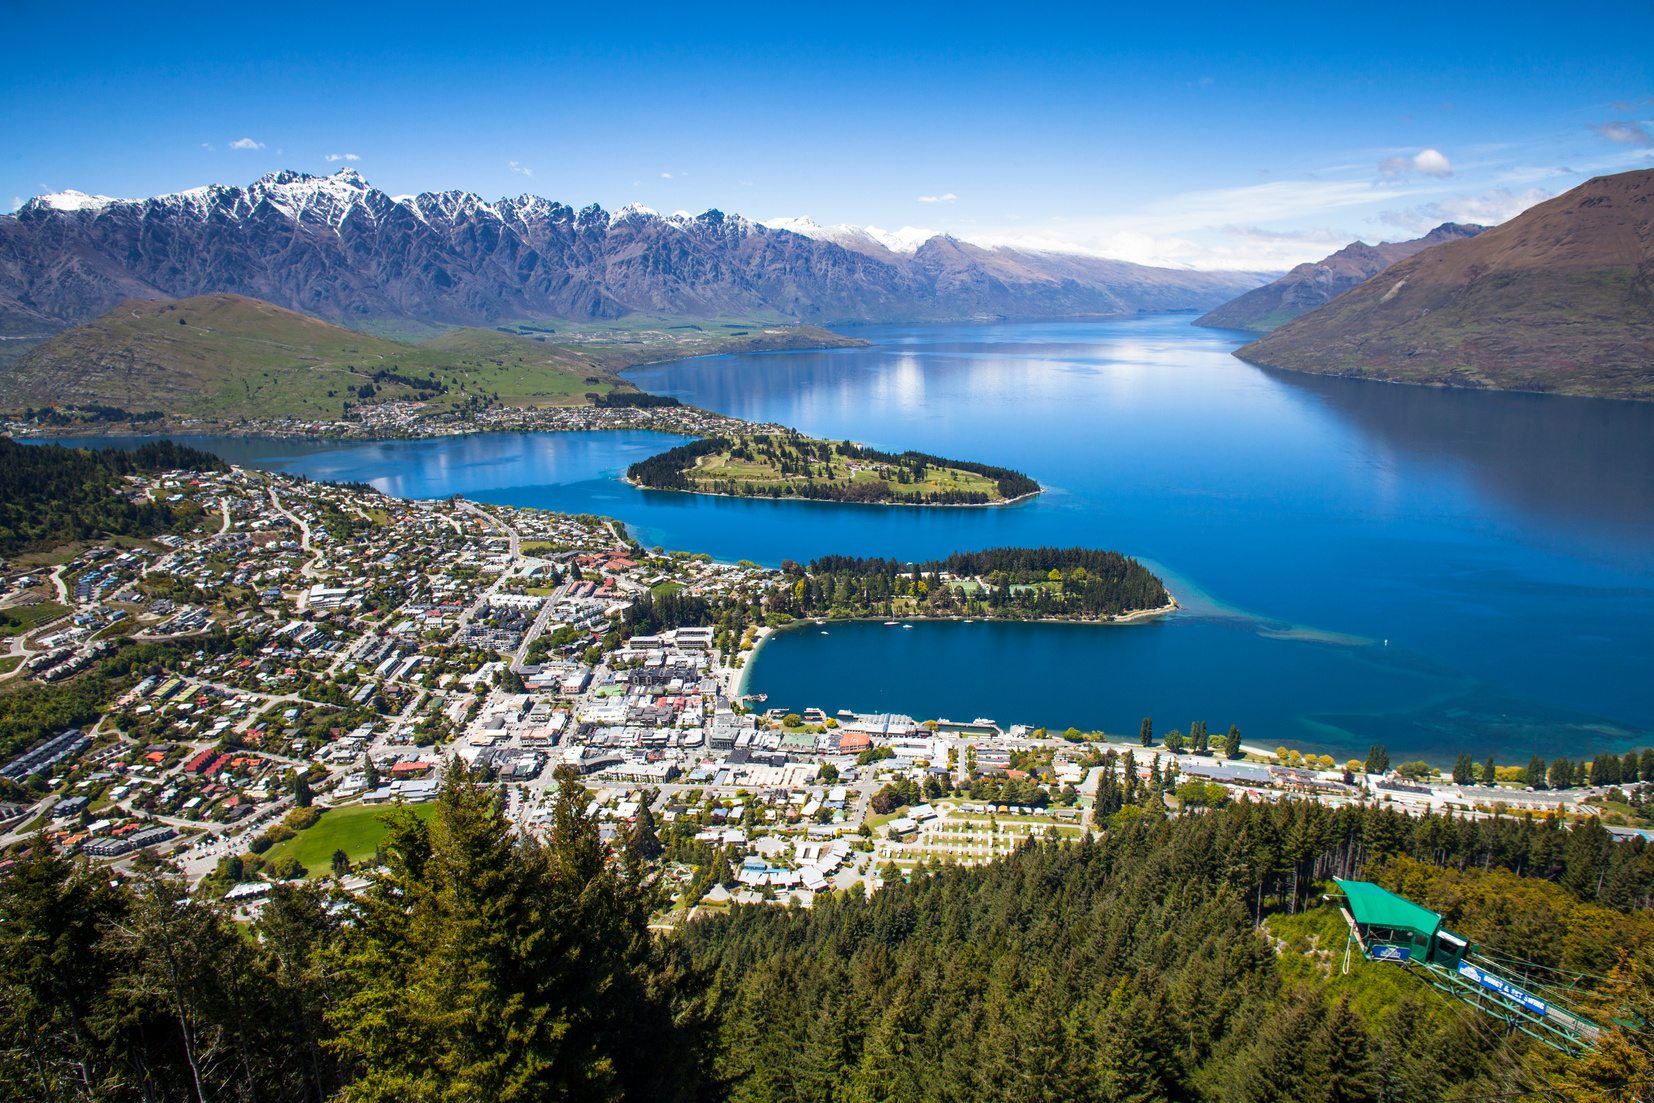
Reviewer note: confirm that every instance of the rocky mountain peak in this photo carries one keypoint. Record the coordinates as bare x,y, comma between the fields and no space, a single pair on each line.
336,247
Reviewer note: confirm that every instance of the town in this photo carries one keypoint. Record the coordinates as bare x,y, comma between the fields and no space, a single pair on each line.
305,655
391,420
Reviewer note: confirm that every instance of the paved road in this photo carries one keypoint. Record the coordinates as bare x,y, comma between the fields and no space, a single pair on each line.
516,540
538,627
309,568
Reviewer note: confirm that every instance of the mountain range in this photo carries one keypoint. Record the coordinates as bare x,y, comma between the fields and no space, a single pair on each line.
1310,285
1560,299
336,248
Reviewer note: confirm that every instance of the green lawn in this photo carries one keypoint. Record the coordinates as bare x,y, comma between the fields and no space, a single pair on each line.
25,618
355,828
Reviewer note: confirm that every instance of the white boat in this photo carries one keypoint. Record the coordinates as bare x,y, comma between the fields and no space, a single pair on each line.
891,623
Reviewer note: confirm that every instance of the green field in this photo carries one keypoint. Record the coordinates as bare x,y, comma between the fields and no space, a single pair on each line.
354,828
25,618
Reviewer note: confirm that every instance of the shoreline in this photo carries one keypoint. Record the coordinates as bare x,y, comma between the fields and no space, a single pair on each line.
765,634
1134,617
627,479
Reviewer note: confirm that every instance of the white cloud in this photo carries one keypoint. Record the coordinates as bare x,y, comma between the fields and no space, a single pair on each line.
1626,133
666,176
1224,228
342,157
1488,209
517,167
246,143
1431,162
208,146
948,198
16,202
1336,239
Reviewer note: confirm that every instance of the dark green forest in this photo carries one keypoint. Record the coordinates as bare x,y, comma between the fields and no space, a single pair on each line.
1089,583
50,495
1166,958
1093,584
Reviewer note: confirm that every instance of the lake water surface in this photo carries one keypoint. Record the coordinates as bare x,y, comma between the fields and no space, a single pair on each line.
1359,562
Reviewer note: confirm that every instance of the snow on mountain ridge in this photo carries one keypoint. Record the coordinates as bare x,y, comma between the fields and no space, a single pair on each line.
71,200
905,241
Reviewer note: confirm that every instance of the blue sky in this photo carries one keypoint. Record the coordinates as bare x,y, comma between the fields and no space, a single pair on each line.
1209,135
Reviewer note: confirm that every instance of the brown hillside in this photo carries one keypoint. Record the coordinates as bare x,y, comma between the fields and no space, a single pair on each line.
1309,285
1560,298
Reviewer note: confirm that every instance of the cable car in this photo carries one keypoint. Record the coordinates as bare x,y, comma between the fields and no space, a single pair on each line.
1390,928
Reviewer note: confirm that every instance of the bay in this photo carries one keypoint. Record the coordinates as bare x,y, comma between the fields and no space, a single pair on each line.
1439,571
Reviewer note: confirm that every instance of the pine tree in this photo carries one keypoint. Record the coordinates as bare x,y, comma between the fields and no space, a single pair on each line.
1536,772
1232,742
1464,768
1339,1068
483,968
1146,732
645,840
1490,775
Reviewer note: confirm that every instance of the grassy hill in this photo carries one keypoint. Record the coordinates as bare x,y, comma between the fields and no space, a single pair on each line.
1559,299
223,357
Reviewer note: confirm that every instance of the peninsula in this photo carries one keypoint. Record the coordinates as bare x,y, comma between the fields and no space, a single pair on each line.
1075,584
764,465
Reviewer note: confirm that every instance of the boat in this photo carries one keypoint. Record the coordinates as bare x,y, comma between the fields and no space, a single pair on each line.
891,623
825,633
907,626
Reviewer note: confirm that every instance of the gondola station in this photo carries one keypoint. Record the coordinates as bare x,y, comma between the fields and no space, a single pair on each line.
1390,928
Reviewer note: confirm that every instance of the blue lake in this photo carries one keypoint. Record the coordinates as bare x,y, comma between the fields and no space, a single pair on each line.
1359,562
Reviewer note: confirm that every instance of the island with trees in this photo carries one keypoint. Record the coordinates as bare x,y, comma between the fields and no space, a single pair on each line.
789,465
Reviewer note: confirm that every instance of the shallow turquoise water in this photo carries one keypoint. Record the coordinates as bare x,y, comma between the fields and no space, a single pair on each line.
1359,562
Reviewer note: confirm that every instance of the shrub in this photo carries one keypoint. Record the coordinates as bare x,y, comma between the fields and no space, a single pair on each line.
287,869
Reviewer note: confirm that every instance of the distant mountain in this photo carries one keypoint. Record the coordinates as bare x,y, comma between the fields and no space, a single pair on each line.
1309,285
224,357
1560,298
338,249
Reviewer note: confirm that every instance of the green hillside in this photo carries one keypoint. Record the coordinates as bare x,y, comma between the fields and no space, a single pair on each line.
223,357
226,356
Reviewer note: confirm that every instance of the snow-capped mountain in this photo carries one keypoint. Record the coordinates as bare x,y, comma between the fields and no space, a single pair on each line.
338,248
865,239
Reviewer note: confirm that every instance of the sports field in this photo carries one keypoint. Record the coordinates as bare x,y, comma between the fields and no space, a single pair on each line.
355,828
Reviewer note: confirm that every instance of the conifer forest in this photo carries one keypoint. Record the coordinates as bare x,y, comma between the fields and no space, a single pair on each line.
1164,957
